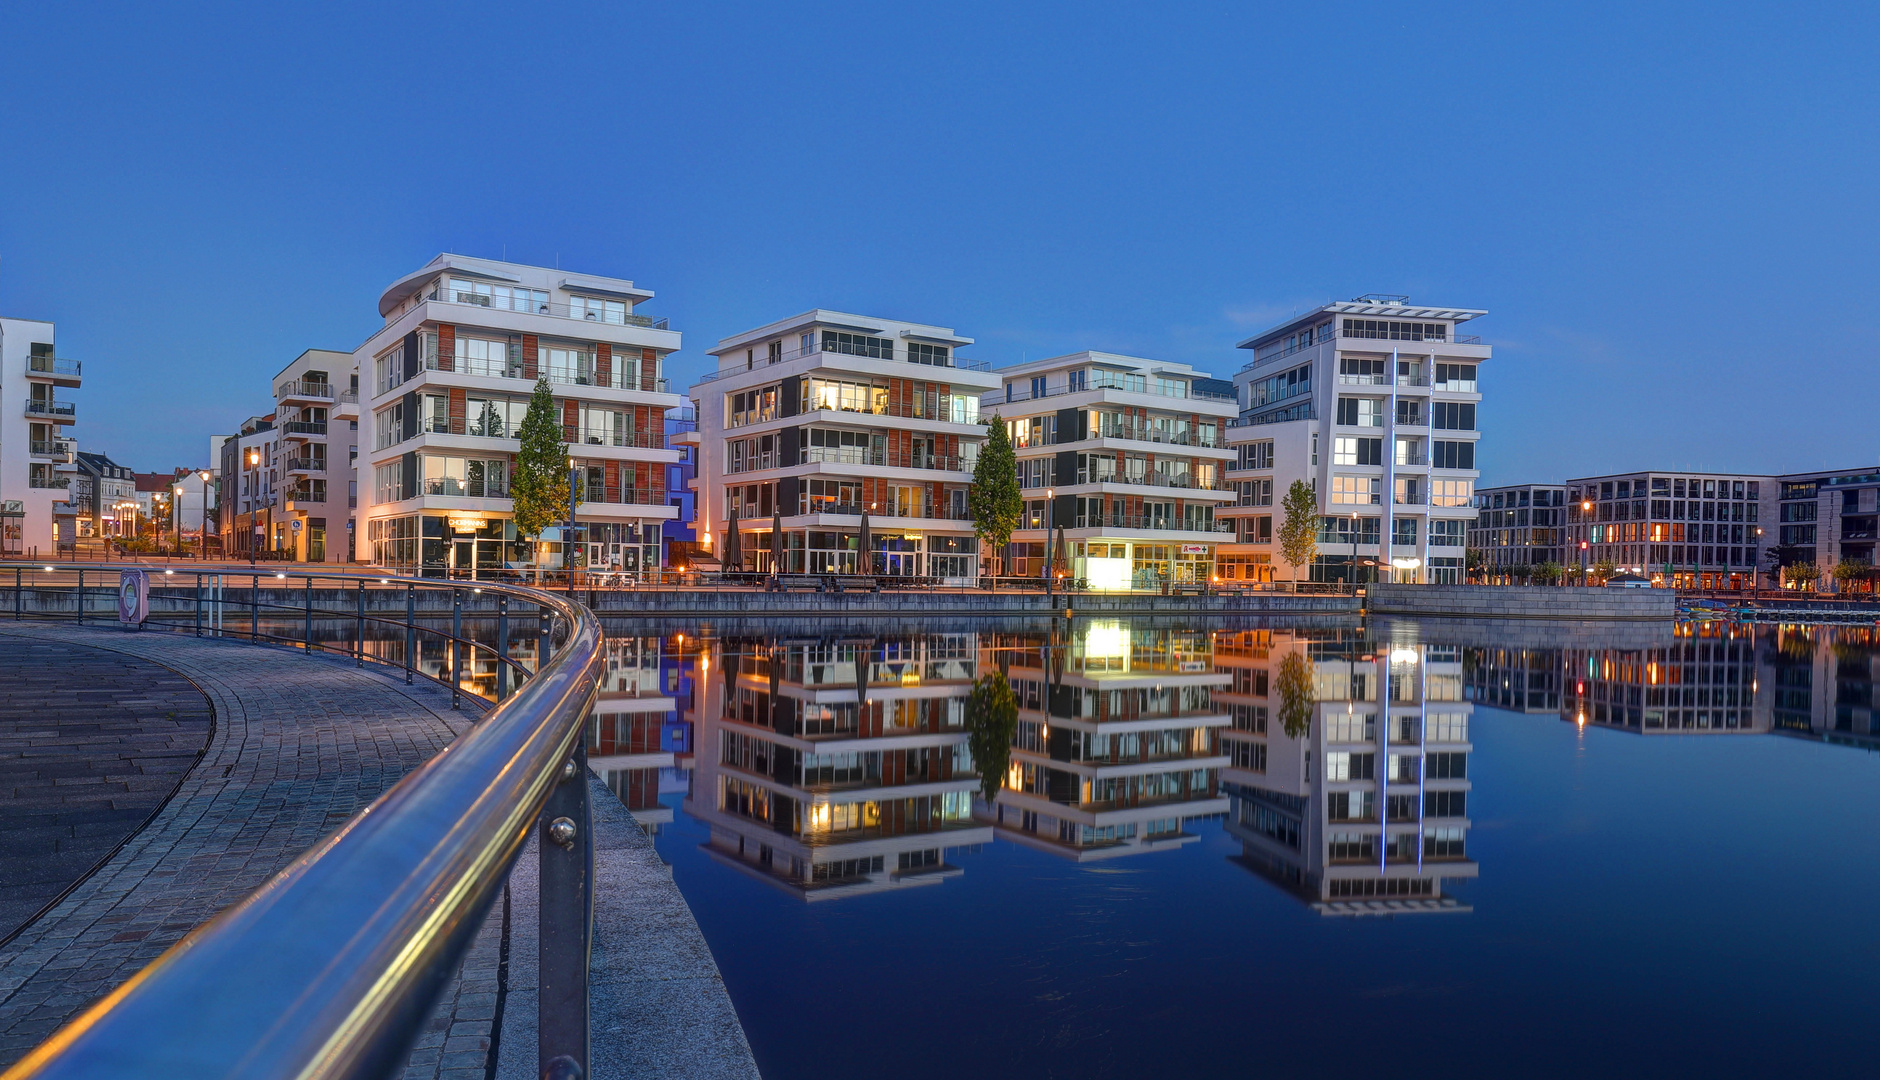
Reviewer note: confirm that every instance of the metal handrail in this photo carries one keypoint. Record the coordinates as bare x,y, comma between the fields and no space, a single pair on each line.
331,967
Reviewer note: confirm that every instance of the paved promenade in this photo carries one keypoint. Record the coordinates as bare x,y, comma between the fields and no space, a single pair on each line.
300,744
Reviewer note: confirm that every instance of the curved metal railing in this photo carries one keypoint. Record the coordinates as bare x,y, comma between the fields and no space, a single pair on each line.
331,967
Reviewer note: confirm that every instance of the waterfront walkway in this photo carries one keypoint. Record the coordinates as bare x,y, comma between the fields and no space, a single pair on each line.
299,744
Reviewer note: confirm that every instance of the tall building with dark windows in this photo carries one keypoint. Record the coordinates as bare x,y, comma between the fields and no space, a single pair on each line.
1374,403
1685,530
1518,527
1827,518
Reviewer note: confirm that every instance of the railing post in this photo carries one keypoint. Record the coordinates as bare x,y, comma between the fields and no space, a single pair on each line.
81,598
19,593
308,639
254,608
359,628
199,603
565,836
502,646
411,630
456,648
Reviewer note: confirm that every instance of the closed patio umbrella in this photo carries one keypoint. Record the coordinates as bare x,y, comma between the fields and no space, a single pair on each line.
864,559
734,559
776,542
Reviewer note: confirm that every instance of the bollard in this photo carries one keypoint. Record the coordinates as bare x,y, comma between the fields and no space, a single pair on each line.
359,629
502,646
456,648
254,608
199,604
308,639
411,631
566,934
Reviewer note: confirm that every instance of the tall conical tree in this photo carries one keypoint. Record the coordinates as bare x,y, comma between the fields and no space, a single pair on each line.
994,498
1299,530
540,484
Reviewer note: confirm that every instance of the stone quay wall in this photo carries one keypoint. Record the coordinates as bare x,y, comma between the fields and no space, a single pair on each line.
1590,603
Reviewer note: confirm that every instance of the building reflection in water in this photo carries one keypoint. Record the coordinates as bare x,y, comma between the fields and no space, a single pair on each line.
637,743
1116,746
834,767
1349,768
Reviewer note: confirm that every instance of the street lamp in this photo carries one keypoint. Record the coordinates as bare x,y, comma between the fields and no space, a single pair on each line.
202,526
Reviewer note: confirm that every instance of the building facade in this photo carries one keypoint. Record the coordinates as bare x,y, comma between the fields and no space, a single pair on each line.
1827,518
1684,530
445,384
250,468
104,496
1374,404
316,407
812,422
1518,527
38,457
1125,459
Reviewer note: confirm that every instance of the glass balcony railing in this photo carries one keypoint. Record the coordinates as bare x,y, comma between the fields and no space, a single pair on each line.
53,365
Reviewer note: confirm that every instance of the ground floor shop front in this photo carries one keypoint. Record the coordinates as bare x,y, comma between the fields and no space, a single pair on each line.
890,552
1105,564
445,544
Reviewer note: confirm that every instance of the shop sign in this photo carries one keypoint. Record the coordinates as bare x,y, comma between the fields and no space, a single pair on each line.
466,524
1194,549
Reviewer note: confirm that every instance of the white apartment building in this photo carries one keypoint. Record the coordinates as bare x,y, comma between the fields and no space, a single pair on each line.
1127,457
38,459
837,767
1116,744
317,415
1364,810
827,416
445,385
1373,403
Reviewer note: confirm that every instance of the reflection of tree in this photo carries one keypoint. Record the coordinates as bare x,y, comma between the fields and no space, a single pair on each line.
1295,695
991,721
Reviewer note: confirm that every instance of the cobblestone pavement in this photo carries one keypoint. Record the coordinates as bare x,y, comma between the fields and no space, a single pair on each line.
91,743
300,744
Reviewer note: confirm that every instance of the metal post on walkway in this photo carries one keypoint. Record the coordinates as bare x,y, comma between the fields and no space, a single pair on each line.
81,598
19,593
198,603
411,631
548,632
308,639
456,647
359,629
502,646
254,608
566,934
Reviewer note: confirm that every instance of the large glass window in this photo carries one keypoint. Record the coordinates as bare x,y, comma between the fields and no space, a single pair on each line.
837,341
486,294
482,356
1357,489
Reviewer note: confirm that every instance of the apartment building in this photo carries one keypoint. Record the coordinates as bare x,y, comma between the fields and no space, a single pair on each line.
835,766
249,464
104,497
1518,527
811,422
1374,404
1684,530
1827,518
1704,681
38,458
316,406
1125,458
1363,809
1116,744
1822,681
634,738
445,384
1517,679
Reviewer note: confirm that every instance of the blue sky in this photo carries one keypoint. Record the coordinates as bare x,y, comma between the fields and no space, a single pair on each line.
1667,209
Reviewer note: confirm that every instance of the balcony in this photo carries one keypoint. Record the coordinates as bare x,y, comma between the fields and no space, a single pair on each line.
1188,393
303,428
306,465
66,450
1142,521
60,411
575,312
1150,434
304,390
1175,481
784,357
57,367
930,513
861,455
584,375
50,482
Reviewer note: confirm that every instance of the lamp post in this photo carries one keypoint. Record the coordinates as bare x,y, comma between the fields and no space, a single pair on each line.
254,542
202,523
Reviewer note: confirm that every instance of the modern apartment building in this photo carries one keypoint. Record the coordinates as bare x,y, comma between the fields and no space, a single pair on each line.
1686,530
1125,457
1116,744
38,458
837,766
248,504
1373,403
824,417
1827,518
445,384
1363,810
316,407
1518,527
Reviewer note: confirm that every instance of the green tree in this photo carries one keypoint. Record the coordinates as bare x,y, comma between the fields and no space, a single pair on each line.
994,498
1801,575
991,721
1548,573
1604,569
1295,695
1848,573
1474,561
540,483
1299,531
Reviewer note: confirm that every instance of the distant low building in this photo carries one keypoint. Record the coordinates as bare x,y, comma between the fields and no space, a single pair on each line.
1827,518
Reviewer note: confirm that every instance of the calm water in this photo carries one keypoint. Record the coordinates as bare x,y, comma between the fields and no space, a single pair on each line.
1386,849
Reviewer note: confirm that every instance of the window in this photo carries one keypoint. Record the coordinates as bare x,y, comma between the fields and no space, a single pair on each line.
594,309
1350,847
1452,455
836,341
1361,412
1360,370
1445,803
1349,806
1456,378
1447,532
1342,765
1453,415
1443,842
390,482
1451,492
936,355
484,294
1395,331
1352,451
1279,387
1363,490
1403,532
471,477
481,356
390,423
1350,727
1255,492
1256,455
1449,766
841,396
1079,380
1447,728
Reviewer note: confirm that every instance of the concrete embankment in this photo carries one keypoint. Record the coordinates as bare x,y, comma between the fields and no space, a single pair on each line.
847,605
1521,602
